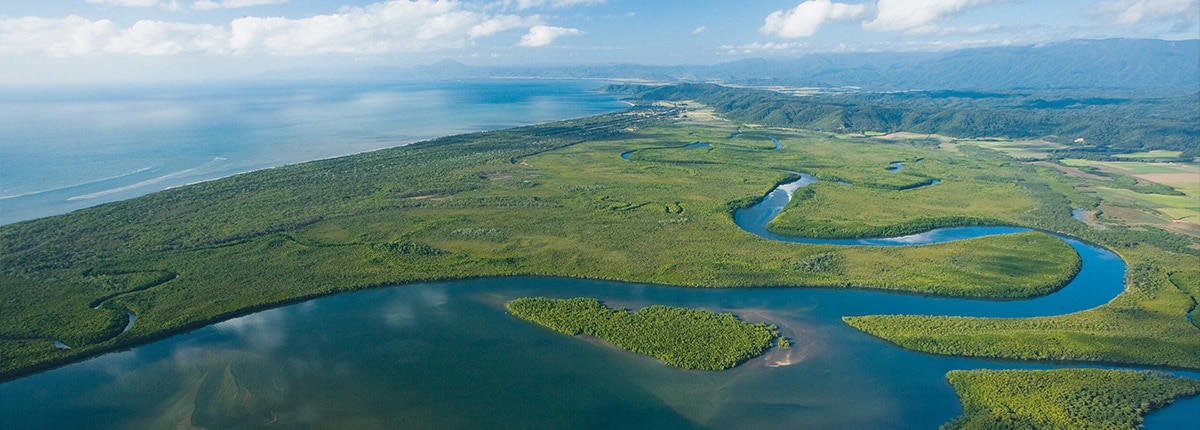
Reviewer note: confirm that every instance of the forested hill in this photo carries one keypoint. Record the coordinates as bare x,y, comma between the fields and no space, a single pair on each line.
1107,124
1158,66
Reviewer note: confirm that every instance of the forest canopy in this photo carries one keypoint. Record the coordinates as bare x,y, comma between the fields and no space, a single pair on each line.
682,337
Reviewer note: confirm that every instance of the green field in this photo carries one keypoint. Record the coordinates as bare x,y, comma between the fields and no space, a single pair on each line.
1162,195
688,338
1020,149
1137,167
1151,155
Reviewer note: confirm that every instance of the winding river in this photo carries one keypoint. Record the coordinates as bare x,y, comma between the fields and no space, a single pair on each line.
446,355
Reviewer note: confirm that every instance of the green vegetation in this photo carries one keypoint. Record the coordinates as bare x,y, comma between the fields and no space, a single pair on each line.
1091,127
1157,154
1147,324
681,337
1020,149
557,200
553,199
1140,194
1063,399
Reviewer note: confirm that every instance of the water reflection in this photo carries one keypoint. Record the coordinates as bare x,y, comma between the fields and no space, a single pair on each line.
447,355
262,332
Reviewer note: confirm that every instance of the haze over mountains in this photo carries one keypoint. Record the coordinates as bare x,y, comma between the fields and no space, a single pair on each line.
1142,64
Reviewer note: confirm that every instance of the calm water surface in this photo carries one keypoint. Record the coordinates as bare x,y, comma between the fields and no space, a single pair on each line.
447,355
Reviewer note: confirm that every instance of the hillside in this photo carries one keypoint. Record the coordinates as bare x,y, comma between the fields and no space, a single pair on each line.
1114,64
1089,124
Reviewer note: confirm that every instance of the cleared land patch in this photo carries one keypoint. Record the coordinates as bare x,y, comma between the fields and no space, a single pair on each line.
1020,149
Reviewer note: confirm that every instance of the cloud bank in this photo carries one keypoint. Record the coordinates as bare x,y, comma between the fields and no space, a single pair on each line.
527,4
390,27
230,4
1133,12
880,16
543,35
807,17
132,3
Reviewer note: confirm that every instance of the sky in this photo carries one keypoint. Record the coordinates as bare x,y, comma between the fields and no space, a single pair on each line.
163,40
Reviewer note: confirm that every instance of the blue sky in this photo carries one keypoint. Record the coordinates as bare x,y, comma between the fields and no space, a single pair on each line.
90,40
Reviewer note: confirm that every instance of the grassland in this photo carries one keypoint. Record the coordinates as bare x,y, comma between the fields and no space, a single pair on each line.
1157,154
688,338
1017,148
1139,194
1064,399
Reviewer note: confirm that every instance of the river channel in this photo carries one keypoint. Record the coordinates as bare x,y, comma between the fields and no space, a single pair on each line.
446,355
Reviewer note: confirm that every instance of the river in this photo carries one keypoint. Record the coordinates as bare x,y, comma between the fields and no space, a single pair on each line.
446,355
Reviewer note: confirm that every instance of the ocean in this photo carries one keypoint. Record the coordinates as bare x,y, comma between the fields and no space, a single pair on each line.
68,148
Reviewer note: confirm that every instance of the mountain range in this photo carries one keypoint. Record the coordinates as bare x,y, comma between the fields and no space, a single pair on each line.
1130,64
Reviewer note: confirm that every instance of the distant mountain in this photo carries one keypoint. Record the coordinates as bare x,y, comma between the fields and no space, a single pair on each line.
1108,125
1078,64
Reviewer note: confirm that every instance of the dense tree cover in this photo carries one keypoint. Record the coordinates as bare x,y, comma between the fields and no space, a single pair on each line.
682,337
1188,281
1146,324
1106,125
1062,398
553,199
557,199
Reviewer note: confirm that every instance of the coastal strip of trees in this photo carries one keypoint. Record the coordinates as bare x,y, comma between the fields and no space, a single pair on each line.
1062,398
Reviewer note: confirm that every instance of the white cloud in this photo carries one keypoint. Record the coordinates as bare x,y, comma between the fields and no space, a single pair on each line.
394,26
135,3
699,29
807,17
1131,12
76,36
230,4
68,36
916,17
156,38
907,14
975,29
756,47
542,35
526,4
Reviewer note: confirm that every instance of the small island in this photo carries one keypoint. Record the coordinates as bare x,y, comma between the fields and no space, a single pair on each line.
688,338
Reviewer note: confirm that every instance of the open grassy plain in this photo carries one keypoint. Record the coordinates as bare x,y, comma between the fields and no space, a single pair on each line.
1022,149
